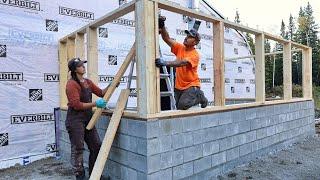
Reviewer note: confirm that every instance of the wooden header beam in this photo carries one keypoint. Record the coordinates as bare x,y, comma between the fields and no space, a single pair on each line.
166,5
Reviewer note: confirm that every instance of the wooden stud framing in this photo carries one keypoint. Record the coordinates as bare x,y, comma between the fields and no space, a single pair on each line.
147,41
92,54
218,63
110,134
307,73
157,54
79,43
260,68
287,72
145,56
63,65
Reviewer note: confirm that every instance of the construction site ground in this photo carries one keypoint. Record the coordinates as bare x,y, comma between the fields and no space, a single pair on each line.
299,161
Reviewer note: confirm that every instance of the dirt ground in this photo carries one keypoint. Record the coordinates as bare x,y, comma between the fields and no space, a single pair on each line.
300,161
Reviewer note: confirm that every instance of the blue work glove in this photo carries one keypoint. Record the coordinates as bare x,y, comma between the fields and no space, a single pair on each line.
160,62
101,103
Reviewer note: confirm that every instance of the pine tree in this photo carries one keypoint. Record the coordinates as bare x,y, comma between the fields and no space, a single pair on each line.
268,66
307,35
237,17
291,28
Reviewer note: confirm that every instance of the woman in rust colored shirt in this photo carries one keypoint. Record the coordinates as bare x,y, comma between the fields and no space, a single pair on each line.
79,93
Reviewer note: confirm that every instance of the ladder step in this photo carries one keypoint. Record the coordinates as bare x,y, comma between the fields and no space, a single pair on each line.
163,94
164,75
166,93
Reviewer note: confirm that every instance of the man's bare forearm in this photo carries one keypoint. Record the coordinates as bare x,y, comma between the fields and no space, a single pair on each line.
177,63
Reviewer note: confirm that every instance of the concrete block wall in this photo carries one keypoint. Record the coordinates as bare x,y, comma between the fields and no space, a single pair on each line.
200,147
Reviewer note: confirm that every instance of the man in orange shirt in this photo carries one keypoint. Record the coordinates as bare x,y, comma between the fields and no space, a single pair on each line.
187,83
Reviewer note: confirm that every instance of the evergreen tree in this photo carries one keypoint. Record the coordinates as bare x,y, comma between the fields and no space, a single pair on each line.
268,66
307,35
237,17
291,28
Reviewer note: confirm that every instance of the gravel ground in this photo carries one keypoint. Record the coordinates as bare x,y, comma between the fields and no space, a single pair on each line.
298,162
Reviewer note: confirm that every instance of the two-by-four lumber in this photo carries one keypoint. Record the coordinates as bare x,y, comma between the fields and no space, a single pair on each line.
307,73
145,53
110,134
63,65
79,43
92,56
260,68
113,85
123,10
218,61
287,72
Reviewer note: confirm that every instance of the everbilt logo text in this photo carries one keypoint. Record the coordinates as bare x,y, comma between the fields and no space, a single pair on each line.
76,13
124,22
109,79
51,77
33,5
11,76
31,118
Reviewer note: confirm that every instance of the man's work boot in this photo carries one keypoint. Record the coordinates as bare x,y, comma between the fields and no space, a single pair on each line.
202,99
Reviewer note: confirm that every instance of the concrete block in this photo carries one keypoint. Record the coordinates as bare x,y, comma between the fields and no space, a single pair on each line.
153,146
245,149
123,126
177,125
142,176
166,160
260,112
119,155
208,121
165,127
128,173
251,113
127,142
238,139
256,145
154,164
163,174
153,128
271,130
141,146
225,118
178,141
182,171
191,124
202,164
137,162
182,140
233,153
210,148
243,126
165,143
226,143
219,158
198,136
192,153
251,136
177,157
261,133
137,128
238,115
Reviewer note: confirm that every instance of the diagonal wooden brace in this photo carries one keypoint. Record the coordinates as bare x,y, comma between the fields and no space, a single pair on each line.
113,86
110,134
